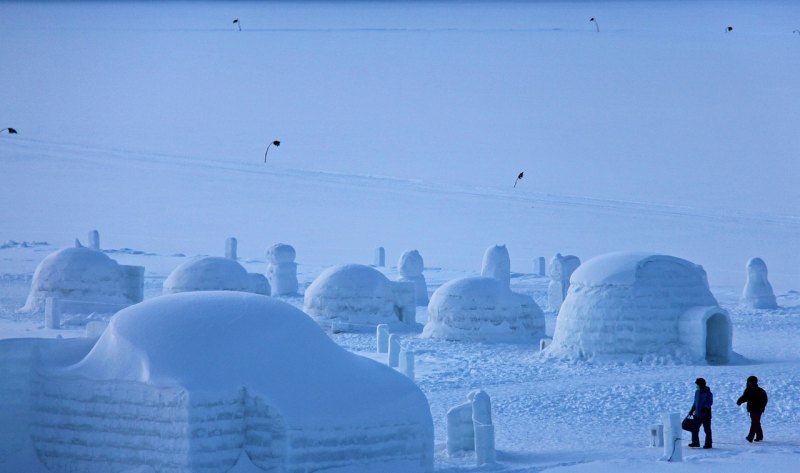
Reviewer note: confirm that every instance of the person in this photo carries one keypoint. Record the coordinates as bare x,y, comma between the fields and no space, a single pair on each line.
756,399
701,410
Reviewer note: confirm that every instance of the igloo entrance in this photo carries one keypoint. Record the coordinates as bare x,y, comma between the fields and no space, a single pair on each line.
717,340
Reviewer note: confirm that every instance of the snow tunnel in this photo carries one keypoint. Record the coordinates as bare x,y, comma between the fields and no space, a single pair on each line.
718,341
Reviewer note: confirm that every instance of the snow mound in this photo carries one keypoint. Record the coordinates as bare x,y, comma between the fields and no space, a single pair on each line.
483,309
84,274
635,303
351,293
214,273
219,372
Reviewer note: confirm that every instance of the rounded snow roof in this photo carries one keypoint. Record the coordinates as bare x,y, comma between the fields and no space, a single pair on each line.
477,288
623,268
209,273
351,279
220,341
352,292
74,264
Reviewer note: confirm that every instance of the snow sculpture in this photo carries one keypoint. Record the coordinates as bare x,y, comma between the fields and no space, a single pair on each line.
282,270
469,427
497,264
87,280
394,351
214,273
94,240
757,292
410,267
257,367
630,304
561,268
483,309
380,257
358,297
230,248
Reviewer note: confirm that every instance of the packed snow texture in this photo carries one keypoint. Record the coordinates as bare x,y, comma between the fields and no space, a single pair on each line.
187,381
631,304
483,309
410,266
281,269
757,292
561,269
351,293
497,264
214,273
85,275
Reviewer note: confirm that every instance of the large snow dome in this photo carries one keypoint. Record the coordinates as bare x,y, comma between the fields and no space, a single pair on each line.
351,293
632,304
214,273
84,274
185,382
483,309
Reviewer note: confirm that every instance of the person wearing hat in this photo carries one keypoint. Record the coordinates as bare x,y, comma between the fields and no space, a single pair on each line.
701,410
756,399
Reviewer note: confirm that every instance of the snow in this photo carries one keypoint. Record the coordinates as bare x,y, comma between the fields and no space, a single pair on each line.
403,125
281,269
497,264
410,266
214,273
635,304
757,291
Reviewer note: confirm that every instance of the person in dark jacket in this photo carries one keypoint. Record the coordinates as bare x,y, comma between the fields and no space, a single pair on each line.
756,399
701,410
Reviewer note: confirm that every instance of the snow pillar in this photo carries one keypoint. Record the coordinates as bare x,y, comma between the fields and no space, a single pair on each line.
673,450
561,268
656,435
133,283
382,335
52,313
407,363
497,264
94,240
281,269
380,257
230,248
394,350
539,266
404,306
410,267
757,292
460,433
484,429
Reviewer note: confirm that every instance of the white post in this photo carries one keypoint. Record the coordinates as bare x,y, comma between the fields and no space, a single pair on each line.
382,334
656,435
484,429
380,257
539,266
407,363
94,240
460,432
52,313
394,350
230,248
673,449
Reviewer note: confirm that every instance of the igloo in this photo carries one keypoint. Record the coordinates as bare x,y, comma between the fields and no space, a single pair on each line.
631,304
757,292
355,296
84,277
187,382
214,273
410,266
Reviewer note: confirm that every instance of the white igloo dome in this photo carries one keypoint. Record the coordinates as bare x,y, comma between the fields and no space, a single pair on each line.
351,293
214,273
221,372
635,303
82,274
483,309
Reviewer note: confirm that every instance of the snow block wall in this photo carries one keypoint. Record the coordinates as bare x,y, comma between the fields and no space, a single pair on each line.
214,273
483,309
354,294
757,292
84,274
631,304
256,368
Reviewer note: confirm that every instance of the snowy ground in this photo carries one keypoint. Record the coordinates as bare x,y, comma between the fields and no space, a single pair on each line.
404,125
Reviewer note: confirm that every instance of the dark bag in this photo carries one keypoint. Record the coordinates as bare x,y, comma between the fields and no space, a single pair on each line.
689,424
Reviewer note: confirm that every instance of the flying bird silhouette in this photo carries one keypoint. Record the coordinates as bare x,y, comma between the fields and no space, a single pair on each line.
276,143
518,178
